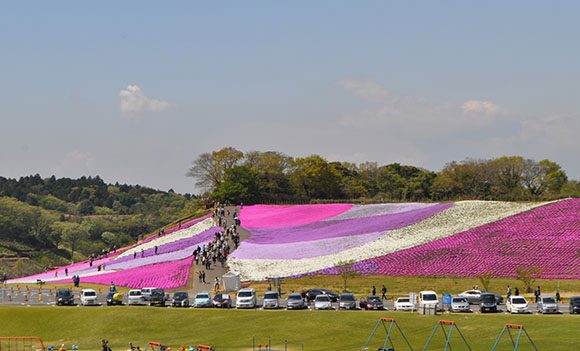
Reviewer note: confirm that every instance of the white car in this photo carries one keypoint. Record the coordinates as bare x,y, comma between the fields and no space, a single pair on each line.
135,297
246,298
89,297
404,304
517,304
547,304
322,302
459,304
146,293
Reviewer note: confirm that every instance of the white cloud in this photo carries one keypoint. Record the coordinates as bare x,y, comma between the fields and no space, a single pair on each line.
480,106
134,102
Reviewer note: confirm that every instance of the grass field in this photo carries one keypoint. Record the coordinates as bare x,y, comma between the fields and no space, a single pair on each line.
233,329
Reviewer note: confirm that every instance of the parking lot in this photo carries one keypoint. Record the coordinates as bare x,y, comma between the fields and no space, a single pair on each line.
47,298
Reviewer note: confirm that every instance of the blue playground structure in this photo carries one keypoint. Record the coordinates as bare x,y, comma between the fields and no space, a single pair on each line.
388,331
515,344
452,326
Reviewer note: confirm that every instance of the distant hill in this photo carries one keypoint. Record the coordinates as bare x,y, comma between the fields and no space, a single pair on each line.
46,222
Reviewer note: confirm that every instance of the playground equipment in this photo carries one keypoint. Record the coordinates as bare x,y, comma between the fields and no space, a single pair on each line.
388,339
203,348
509,327
442,324
21,343
154,346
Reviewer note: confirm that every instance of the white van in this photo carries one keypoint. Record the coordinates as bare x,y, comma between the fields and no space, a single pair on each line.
135,297
429,298
89,297
146,293
246,298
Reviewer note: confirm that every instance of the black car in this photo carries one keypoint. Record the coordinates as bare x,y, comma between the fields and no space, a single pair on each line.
488,303
575,305
180,299
157,297
64,297
312,293
111,299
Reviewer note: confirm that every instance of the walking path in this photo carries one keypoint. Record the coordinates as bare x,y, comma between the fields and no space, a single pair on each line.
193,285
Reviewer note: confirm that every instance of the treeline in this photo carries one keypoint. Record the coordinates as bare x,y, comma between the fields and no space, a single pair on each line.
52,221
273,177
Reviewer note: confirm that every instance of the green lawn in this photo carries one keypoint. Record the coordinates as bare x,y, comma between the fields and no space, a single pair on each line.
233,330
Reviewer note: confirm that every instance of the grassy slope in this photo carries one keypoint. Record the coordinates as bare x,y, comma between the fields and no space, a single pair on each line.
233,330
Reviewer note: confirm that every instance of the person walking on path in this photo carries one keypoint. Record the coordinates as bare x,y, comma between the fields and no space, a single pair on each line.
374,291
384,291
509,292
537,294
156,249
203,276
517,292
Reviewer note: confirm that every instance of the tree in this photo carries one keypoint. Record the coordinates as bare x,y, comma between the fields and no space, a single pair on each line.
346,270
528,276
209,169
72,233
314,178
485,279
240,186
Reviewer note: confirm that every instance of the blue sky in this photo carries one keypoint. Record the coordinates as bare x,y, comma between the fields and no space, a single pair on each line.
135,91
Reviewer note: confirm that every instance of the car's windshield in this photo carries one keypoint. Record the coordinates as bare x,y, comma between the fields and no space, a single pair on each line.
374,299
403,300
202,296
135,293
576,301
322,298
429,297
519,300
459,299
180,294
347,297
295,297
488,298
271,295
548,300
90,293
64,292
244,294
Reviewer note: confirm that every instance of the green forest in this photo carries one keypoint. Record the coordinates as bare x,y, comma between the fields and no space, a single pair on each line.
51,222
273,177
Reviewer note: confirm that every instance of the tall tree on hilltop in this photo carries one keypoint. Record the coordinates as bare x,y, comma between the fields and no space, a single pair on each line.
209,168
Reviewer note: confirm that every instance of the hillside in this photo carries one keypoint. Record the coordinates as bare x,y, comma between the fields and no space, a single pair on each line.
49,222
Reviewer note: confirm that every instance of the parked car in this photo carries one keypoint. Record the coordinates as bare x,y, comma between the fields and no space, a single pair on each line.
488,303
271,300
222,300
157,297
517,304
473,296
246,298
146,293
429,298
180,299
347,302
459,304
114,298
547,304
498,298
89,297
312,293
202,300
404,304
64,297
575,304
295,302
371,303
322,302
135,297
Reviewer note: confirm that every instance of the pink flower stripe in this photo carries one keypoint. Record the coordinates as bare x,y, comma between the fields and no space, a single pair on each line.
166,275
265,216
341,228
547,237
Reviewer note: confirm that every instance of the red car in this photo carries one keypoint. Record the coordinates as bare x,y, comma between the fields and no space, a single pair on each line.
371,303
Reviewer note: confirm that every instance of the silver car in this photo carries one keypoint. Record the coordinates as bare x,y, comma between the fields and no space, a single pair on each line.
547,304
347,302
271,300
295,302
459,304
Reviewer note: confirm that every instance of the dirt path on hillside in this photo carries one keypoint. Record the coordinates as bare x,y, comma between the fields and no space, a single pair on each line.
193,285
